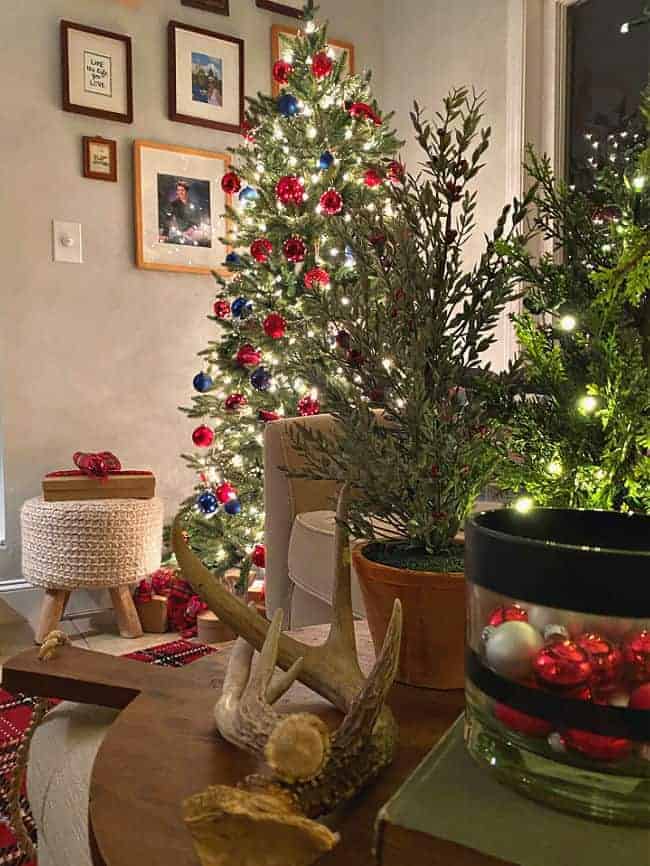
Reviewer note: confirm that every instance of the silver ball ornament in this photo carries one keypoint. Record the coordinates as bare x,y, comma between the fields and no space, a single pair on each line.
556,742
541,617
552,631
511,649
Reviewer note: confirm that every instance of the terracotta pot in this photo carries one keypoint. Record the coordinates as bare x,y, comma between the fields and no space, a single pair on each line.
433,626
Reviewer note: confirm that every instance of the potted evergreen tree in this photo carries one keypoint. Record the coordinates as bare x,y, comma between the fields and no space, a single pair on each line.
399,360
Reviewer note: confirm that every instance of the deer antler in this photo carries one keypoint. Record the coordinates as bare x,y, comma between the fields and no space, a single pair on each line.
312,771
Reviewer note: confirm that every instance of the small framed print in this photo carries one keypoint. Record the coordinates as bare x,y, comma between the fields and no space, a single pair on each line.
288,7
206,77
179,208
100,158
97,72
221,7
282,39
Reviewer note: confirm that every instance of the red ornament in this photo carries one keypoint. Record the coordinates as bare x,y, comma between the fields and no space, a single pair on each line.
307,405
261,249
371,177
521,722
294,249
230,183
247,131
321,64
248,356
274,326
258,556
362,111
331,202
221,309
290,189
266,416
636,654
606,661
356,358
235,401
596,746
343,340
508,613
316,277
203,436
282,70
640,698
563,665
225,492
395,172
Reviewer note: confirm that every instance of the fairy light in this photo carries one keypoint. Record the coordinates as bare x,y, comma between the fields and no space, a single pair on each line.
387,364
523,505
345,301
315,178
348,133
555,468
588,404
568,322
310,27
312,132
638,183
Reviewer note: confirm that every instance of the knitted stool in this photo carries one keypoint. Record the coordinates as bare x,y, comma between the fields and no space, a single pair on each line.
98,543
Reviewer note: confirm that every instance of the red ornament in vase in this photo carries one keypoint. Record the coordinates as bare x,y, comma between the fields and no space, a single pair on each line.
636,655
563,666
606,661
640,698
508,613
597,746
521,722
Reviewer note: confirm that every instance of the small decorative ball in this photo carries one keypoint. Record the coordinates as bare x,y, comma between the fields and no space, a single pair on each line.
203,436
241,308
487,632
362,111
258,556
343,340
508,613
274,326
563,665
282,71
606,661
371,177
294,249
233,259
261,249
261,379
606,214
288,105
221,308
316,277
232,507
596,746
636,654
266,415
331,202
321,64
225,492
521,722
247,131
202,382
307,405
234,402
290,189
511,649
248,193
555,632
248,356
325,160
230,183
207,502
640,698
395,172
356,358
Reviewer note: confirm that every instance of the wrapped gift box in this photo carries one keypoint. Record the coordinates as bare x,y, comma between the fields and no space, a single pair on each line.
66,486
153,614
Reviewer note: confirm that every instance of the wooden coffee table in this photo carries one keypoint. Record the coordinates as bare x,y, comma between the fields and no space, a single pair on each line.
163,747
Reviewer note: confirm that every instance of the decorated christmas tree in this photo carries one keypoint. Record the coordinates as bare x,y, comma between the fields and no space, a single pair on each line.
581,424
318,154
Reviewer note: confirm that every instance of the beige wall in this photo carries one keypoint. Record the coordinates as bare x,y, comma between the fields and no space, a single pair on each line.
100,355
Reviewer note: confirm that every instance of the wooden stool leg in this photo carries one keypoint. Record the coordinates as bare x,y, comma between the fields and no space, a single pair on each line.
54,602
128,621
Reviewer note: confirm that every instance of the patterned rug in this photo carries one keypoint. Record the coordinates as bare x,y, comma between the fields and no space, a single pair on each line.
15,713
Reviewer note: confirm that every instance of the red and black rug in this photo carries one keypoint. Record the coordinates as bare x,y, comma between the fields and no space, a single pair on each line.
15,712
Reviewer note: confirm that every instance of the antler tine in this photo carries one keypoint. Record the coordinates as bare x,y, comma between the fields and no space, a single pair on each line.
341,637
261,677
283,682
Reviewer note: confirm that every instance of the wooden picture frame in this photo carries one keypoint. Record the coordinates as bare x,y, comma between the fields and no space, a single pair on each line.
90,57
280,8
223,70
219,7
168,240
99,158
278,31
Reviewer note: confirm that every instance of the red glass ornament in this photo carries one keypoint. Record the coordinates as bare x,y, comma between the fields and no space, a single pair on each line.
356,358
371,177
316,277
274,326
377,395
331,202
395,172
230,183
235,401
562,665
606,214
203,436
597,746
521,722
290,189
261,249
308,406
225,492
221,309
247,131
640,698
248,356
294,249
343,340
266,416
508,613
258,556
281,72
362,111
636,655
321,64
606,660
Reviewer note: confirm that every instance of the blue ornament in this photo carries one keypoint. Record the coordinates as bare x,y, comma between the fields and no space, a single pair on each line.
233,506
261,379
233,259
248,194
288,105
207,502
241,308
202,382
326,159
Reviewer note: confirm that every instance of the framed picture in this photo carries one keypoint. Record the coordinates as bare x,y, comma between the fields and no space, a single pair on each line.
179,208
289,7
100,158
221,7
282,39
97,72
206,77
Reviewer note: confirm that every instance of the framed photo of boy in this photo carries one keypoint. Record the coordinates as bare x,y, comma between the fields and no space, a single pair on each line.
179,208
97,72
206,77
287,7
100,158
282,39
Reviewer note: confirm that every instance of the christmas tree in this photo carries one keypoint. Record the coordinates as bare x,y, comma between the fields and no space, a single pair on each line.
318,154
581,424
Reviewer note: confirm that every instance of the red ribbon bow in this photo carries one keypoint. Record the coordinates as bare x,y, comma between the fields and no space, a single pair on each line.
97,465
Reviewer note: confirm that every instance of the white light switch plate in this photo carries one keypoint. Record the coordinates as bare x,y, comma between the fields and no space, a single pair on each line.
66,242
